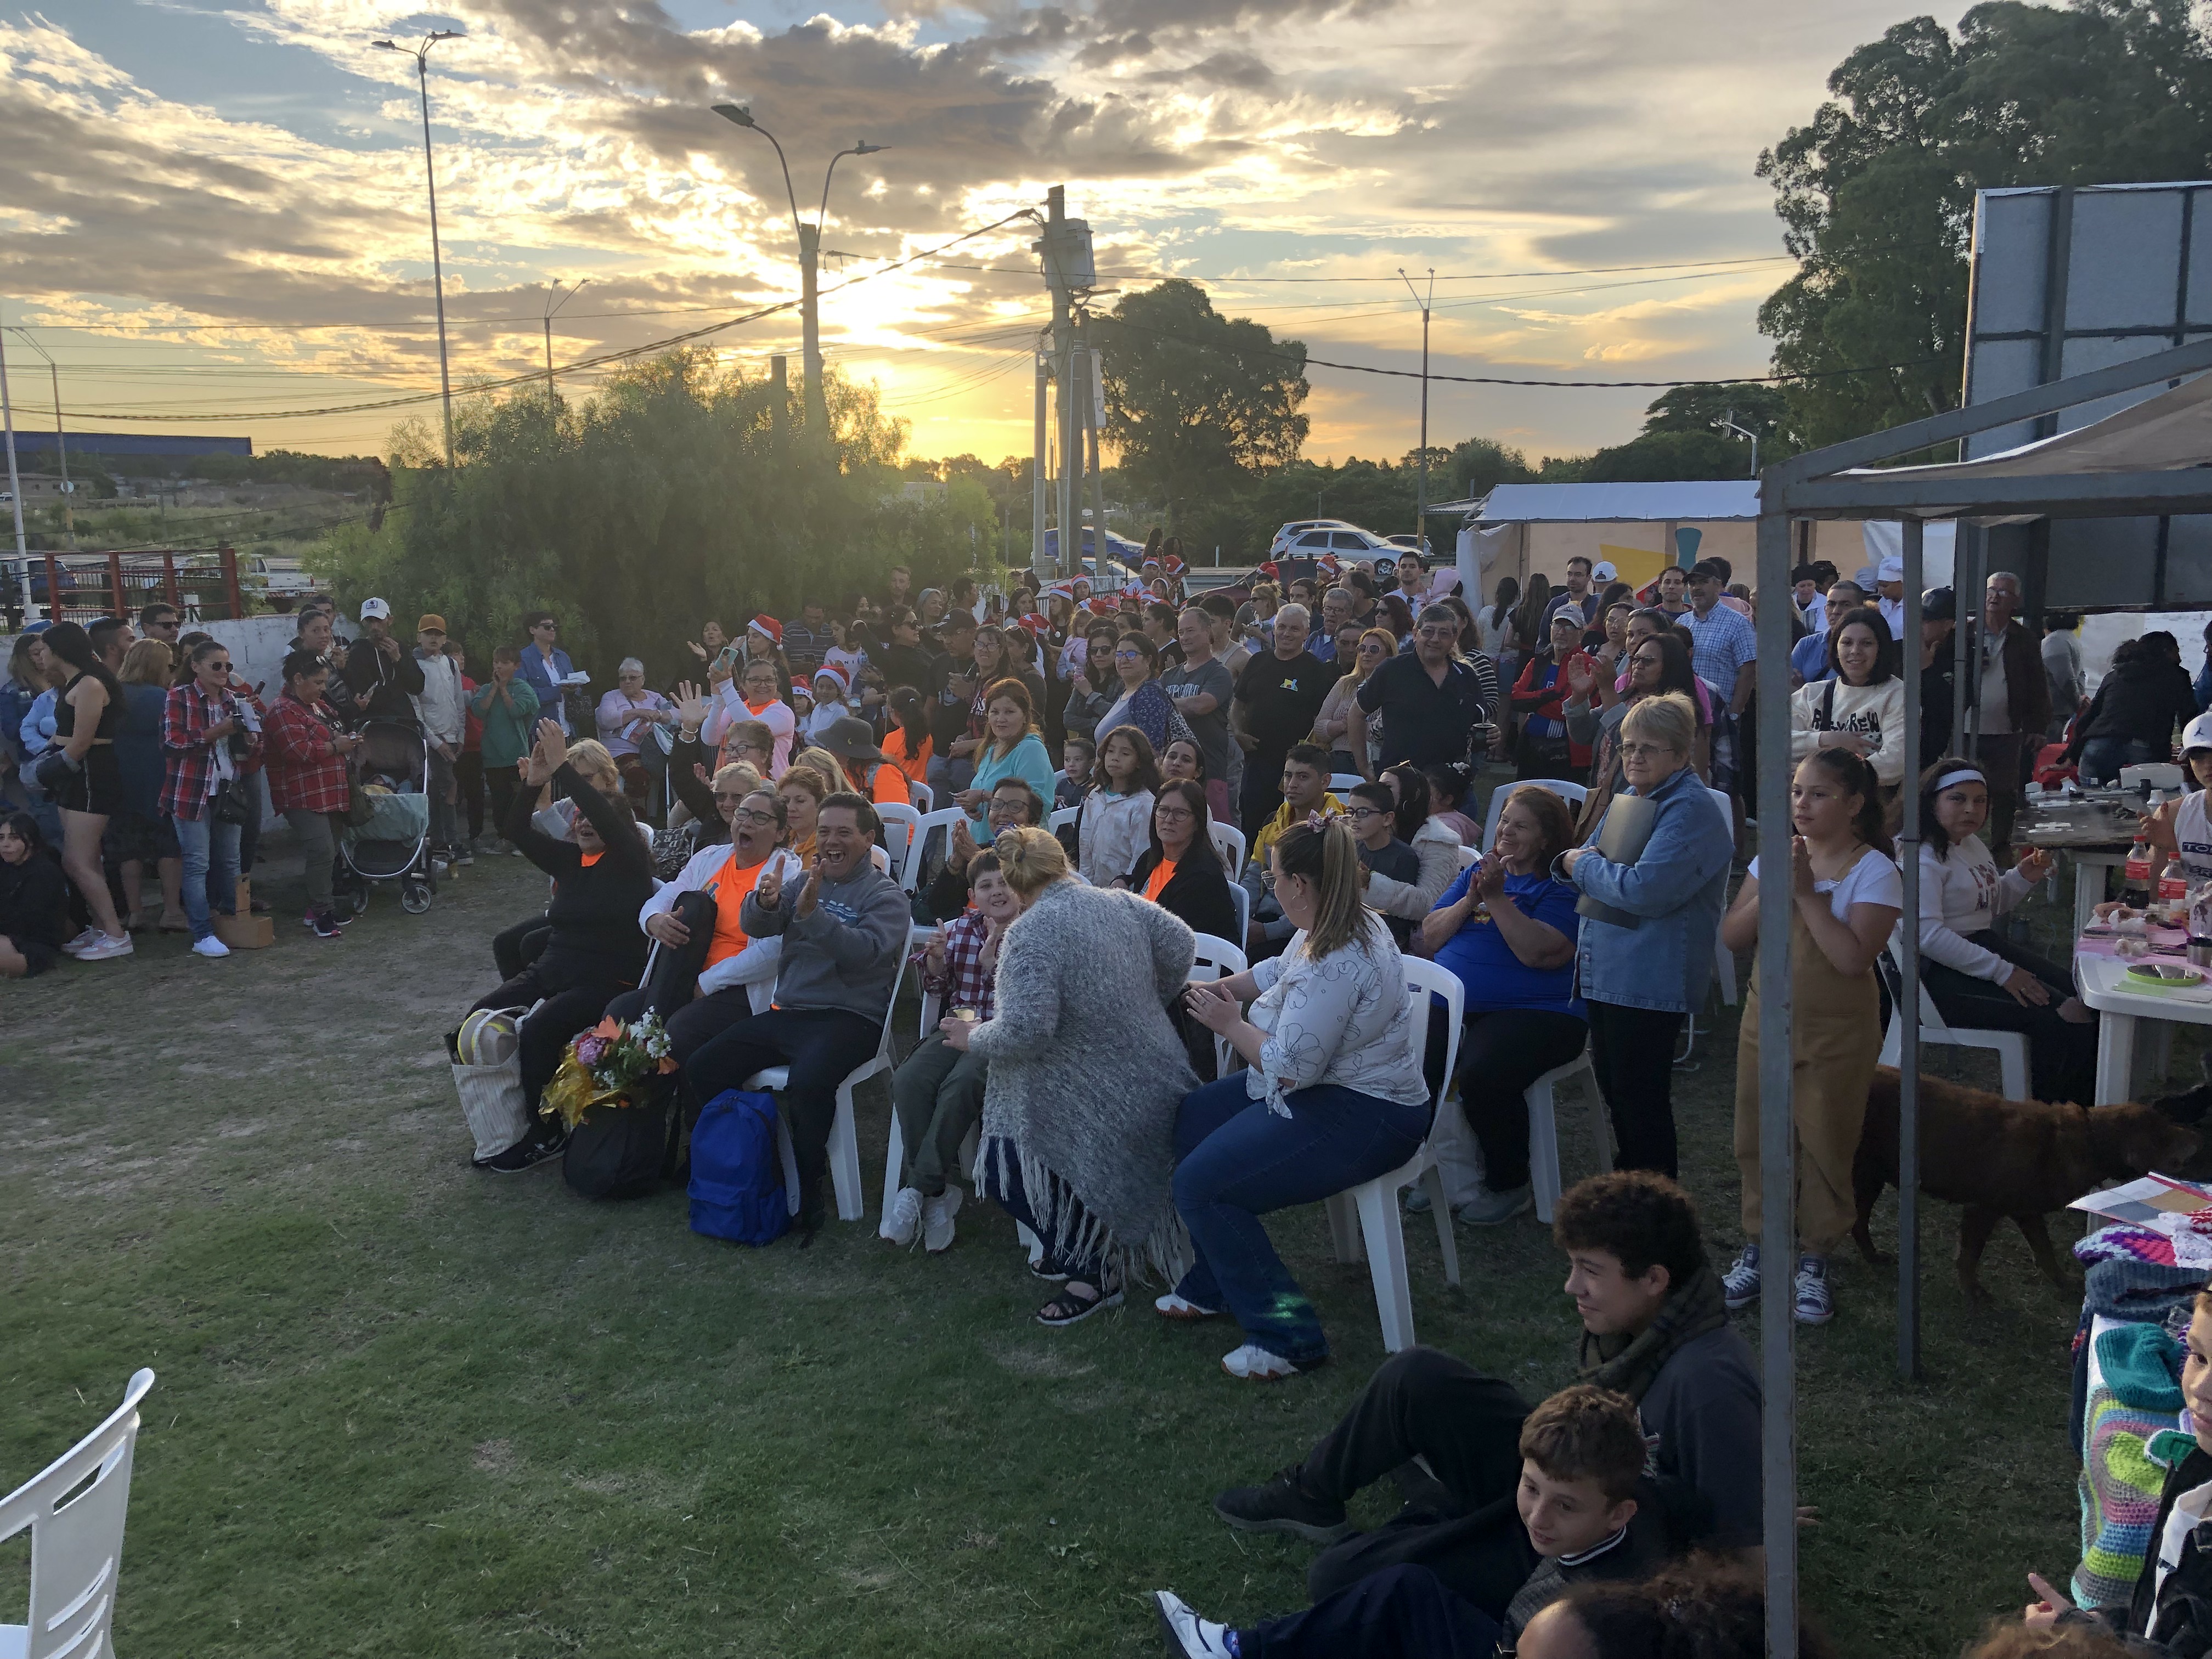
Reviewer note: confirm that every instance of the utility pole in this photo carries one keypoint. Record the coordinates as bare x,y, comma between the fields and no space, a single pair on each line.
1421,499
1037,466
422,56
552,310
61,437
1065,249
15,486
1089,385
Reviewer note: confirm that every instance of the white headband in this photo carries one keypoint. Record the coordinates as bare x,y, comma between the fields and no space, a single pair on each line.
1965,774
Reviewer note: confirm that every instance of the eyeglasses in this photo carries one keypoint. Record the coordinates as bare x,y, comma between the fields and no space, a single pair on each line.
1174,814
1644,751
755,819
1128,656
1368,812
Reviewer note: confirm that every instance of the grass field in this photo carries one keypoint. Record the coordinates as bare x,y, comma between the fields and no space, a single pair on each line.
406,1409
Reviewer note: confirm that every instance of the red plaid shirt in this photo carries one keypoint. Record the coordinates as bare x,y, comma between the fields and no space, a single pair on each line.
306,771
971,984
184,721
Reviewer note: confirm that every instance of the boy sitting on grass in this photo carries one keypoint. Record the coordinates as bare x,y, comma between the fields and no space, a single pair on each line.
1654,1329
1582,1456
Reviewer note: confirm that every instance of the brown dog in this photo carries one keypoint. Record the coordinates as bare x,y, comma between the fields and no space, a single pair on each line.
2001,1157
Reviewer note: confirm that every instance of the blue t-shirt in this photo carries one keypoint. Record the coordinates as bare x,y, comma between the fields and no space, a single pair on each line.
1494,978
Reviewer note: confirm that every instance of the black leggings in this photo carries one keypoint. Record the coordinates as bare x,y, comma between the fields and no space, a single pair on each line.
2062,1056
1500,1054
571,992
1632,1051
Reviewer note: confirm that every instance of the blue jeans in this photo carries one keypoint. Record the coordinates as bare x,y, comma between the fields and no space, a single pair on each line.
1236,1160
2103,757
210,852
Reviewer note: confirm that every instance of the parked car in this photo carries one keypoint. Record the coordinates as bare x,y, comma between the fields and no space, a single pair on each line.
1297,527
1347,542
280,575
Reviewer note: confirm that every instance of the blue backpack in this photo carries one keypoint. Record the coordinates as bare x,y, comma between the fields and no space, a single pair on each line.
737,1175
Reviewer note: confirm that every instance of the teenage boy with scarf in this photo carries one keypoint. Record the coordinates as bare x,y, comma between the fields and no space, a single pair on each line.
1654,1328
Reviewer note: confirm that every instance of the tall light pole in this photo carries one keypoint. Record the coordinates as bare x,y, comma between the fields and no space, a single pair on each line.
15,482
61,438
1421,507
1727,423
552,310
810,261
422,56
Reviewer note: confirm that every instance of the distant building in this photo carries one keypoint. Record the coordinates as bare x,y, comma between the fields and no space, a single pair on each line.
37,487
137,445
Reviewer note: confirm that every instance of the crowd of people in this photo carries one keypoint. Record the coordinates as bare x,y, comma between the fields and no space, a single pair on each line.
1290,774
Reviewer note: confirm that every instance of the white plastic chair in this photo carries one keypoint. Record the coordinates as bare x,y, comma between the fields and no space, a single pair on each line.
943,819
1725,958
1341,781
899,838
1373,1205
1469,857
76,1547
1544,1128
1573,794
1229,841
2010,1047
844,1139
923,797
1067,815
1242,902
1214,957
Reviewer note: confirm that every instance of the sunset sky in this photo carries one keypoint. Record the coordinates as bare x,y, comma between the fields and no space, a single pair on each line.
218,211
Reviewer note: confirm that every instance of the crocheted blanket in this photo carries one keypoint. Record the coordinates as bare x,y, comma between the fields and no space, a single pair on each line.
2130,1438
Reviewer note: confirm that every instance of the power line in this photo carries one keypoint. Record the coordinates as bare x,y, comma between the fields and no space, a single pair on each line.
535,375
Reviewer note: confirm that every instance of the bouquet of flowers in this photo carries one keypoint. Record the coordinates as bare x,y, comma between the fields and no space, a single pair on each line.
607,1067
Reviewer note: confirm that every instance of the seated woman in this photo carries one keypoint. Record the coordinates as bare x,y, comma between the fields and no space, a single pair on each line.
1181,872
704,981
1013,748
1976,976
34,900
592,948
1333,1096
1085,1070
1506,929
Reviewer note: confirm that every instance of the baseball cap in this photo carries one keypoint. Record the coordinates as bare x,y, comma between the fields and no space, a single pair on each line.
1938,604
430,619
374,608
1604,572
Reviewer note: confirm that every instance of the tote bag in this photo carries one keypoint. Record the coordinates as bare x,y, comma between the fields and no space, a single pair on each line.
487,1059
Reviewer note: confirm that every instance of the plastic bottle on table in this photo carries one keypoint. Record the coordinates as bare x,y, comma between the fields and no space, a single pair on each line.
2135,877
2173,889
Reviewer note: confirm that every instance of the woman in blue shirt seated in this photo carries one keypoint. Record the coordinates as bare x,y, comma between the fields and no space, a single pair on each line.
1506,928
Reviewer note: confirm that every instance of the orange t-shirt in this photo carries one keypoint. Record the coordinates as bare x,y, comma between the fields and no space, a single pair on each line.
915,766
888,786
588,860
729,889
1162,873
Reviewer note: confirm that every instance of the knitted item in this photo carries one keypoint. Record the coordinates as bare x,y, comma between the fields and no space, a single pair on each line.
2122,1242
2133,1405
1628,1364
2129,1289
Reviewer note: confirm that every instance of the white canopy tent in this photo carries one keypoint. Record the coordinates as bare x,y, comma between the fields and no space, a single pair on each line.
2155,457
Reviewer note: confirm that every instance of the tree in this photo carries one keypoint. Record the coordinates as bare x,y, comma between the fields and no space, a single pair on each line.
680,492
1197,404
1876,193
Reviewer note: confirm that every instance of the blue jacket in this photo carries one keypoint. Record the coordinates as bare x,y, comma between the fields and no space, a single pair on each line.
544,678
1677,890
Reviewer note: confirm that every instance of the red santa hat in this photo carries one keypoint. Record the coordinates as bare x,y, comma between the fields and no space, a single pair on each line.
1270,569
1328,565
1172,563
1103,607
767,627
803,689
1033,624
833,671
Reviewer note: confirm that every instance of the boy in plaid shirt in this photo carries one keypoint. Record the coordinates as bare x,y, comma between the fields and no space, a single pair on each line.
937,1096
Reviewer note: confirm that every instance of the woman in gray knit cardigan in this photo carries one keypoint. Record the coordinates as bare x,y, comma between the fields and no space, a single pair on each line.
1086,1073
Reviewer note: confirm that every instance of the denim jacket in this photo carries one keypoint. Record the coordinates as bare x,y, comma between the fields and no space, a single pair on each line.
1677,890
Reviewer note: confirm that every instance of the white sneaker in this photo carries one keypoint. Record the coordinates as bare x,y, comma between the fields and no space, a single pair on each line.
1189,1634
106,947
211,946
1811,1301
1254,1364
1172,1306
1739,1283
905,1218
82,942
936,1215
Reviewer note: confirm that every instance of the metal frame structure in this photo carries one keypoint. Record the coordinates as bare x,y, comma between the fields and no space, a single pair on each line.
1827,483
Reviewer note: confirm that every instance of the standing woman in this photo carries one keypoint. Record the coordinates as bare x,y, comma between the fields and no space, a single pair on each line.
1333,1097
1347,731
757,697
1093,687
1978,977
1142,702
1117,813
1491,622
1085,1074
1657,663
1506,928
1548,748
140,835
1643,962
1860,705
307,778
211,742
87,716
1846,894
1013,748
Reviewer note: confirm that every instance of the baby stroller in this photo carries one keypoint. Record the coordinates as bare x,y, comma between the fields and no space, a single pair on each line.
392,766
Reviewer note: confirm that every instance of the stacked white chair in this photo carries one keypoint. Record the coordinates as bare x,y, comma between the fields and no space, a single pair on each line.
74,1510
1573,794
899,838
1365,1219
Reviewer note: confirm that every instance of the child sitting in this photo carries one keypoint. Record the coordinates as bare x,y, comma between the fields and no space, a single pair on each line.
1077,757
1373,811
1582,1455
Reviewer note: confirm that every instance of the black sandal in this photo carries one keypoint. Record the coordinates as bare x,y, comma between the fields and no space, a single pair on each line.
1072,1307
1048,1270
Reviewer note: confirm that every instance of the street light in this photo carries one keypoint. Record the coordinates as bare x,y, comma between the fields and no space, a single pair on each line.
1421,506
61,438
809,260
422,57
1727,423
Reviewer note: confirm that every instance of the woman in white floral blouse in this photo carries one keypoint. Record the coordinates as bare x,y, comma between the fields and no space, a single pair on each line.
1333,1096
